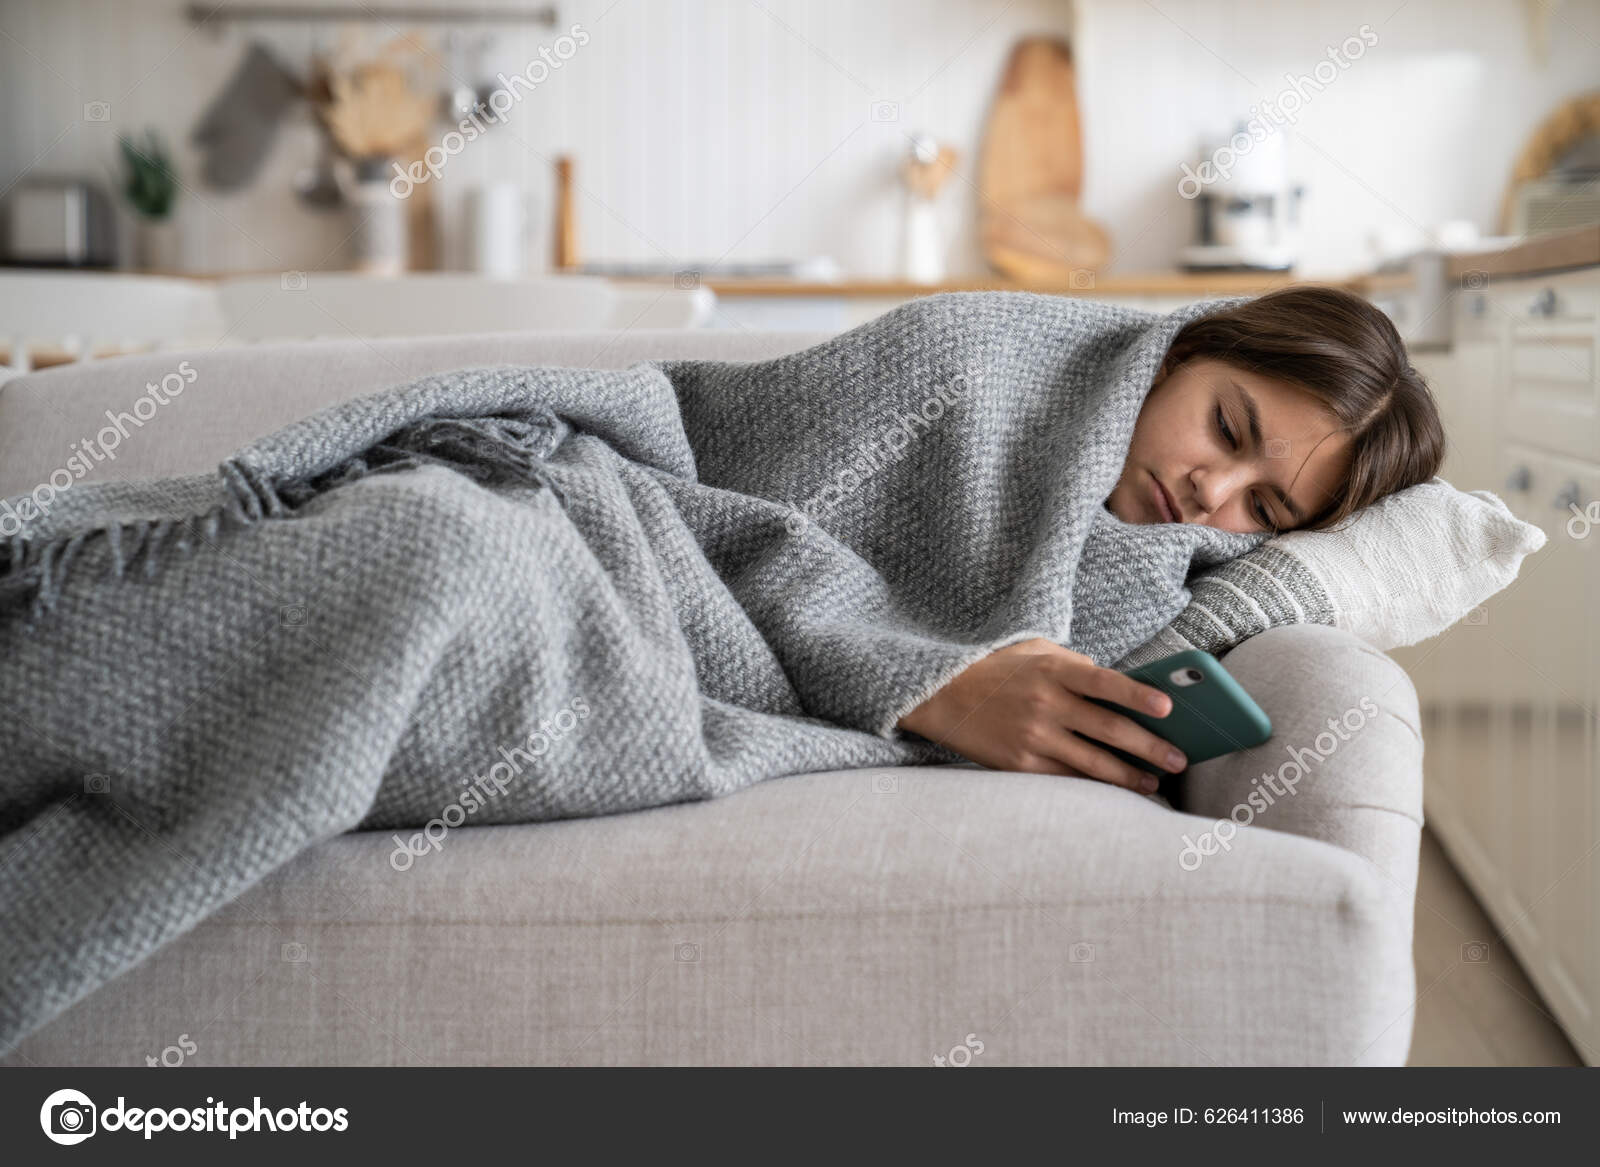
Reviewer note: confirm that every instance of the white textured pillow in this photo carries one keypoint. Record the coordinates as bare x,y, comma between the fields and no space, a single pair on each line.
1401,570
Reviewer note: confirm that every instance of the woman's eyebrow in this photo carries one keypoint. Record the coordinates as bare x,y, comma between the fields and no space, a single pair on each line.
1253,417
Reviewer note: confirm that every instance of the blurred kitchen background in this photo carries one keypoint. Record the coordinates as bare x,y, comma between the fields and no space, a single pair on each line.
700,135
177,175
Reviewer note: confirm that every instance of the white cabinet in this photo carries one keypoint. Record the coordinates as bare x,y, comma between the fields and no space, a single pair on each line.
1510,695
1550,356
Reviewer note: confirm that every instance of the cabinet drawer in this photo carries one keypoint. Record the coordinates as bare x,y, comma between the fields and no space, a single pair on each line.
1477,316
1560,496
1562,296
1552,361
1557,494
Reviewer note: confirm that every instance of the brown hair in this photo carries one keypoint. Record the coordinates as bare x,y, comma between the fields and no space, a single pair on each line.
1344,351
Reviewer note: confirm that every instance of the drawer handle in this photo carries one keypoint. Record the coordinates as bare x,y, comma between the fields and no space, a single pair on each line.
1544,304
1520,479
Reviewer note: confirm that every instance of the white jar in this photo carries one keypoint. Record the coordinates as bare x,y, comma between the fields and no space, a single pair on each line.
379,243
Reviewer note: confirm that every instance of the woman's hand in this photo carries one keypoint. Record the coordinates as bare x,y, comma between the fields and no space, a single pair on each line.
1018,708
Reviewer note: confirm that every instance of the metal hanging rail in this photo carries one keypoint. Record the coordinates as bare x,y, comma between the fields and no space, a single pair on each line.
238,13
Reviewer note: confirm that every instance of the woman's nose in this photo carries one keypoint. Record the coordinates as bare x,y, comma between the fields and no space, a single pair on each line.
1213,488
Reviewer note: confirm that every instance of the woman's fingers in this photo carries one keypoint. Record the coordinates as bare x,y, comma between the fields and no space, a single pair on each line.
1062,751
1096,763
1082,676
1038,716
1106,725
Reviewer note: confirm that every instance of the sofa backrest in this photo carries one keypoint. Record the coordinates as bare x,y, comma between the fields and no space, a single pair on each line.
183,412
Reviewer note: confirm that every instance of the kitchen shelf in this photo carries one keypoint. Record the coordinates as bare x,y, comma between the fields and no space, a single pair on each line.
201,14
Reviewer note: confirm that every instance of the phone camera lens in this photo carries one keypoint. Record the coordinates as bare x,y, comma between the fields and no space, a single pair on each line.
1195,675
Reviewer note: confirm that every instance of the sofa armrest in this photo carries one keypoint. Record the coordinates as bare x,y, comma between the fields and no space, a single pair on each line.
1344,762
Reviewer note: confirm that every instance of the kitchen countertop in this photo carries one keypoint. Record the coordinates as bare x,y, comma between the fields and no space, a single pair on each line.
1579,247
1152,284
1167,283
1196,285
1157,283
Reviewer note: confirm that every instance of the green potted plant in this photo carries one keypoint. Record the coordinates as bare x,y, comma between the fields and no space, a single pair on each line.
150,185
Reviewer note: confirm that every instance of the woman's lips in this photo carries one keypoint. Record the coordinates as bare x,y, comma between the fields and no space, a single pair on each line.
1164,504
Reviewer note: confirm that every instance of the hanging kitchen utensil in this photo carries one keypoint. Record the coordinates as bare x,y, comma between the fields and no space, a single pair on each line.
238,127
1031,171
318,185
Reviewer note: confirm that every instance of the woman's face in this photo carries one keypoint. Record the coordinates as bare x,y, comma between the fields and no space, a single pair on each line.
1214,471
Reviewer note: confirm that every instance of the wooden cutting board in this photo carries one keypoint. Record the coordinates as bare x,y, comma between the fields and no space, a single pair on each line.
1030,172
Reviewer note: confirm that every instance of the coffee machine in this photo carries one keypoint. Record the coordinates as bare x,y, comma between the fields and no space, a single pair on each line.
1247,214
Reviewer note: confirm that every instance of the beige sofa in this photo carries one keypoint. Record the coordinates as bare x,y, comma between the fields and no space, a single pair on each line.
898,916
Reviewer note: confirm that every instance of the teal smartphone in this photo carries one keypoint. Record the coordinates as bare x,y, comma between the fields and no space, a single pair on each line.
1211,713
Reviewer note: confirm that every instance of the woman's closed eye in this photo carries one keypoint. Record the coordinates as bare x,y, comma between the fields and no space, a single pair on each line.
1259,510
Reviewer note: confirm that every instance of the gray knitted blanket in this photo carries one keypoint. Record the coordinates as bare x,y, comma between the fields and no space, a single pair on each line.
515,594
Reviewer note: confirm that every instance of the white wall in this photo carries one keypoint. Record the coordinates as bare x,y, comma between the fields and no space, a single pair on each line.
743,128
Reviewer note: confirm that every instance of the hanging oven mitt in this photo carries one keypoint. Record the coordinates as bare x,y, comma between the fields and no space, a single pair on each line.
237,130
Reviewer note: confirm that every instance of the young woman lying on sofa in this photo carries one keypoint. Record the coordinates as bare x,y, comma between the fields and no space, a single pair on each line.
1289,412
371,611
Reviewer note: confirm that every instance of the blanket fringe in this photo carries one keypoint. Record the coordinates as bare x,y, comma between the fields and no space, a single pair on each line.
486,449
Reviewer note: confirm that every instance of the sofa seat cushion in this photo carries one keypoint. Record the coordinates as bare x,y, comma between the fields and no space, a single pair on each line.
857,917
